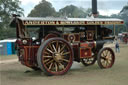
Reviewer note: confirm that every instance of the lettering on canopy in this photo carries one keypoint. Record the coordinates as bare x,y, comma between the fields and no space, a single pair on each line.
72,22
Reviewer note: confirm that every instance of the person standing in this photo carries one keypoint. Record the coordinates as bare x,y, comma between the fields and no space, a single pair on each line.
117,47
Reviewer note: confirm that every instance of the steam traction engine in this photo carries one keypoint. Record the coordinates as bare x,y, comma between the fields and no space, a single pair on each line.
52,44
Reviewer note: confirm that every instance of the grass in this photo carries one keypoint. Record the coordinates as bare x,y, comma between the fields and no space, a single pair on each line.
7,57
14,74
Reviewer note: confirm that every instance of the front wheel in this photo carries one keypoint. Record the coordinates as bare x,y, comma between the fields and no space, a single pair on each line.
88,61
106,58
55,56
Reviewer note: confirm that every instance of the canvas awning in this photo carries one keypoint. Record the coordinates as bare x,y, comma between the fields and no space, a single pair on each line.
31,21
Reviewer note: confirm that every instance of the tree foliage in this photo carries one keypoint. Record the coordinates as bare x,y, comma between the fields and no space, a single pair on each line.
124,15
43,9
7,8
73,11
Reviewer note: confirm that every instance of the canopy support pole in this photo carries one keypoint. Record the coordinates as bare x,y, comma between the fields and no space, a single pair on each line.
114,30
96,31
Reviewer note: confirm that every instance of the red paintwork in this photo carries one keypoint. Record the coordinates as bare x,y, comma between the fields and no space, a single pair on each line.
20,42
81,50
83,45
50,36
88,44
76,52
30,54
75,36
85,52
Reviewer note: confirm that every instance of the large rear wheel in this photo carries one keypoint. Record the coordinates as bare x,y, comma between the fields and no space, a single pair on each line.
55,56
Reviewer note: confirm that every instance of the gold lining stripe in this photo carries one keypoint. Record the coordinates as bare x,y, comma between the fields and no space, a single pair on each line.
72,22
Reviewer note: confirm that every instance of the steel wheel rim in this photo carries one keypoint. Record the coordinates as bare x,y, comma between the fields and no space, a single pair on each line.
57,57
107,58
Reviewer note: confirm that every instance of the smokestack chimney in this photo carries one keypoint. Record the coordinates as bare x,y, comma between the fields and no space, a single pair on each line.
94,8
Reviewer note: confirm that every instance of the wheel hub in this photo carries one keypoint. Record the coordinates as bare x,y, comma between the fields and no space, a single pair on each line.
107,57
57,57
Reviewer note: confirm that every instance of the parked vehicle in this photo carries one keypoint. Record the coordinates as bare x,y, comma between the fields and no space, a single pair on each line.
52,44
60,41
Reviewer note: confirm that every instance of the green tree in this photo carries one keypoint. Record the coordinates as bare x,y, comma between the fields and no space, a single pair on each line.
72,11
124,15
7,8
43,9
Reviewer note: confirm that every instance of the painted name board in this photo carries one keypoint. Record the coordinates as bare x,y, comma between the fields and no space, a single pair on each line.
71,22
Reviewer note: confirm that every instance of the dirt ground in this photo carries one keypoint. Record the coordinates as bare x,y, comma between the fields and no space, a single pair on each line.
15,74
